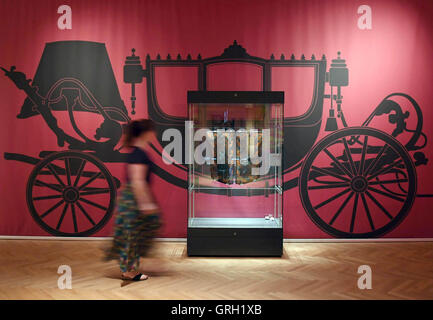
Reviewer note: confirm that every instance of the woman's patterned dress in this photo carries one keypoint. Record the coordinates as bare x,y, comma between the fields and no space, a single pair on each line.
133,232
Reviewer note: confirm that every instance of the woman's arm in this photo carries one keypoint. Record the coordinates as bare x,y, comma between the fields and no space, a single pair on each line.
140,187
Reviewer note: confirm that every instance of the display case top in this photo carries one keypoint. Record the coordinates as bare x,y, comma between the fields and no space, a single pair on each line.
235,97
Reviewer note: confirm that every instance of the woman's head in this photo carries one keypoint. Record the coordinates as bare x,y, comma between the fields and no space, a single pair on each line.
138,130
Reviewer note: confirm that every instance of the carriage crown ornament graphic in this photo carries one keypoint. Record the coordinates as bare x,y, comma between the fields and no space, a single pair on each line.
356,182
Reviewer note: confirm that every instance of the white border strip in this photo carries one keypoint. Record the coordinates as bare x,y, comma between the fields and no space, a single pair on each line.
184,239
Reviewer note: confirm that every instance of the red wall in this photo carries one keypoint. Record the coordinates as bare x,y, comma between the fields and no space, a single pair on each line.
395,56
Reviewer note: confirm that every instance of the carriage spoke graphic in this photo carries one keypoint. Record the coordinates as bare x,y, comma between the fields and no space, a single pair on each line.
68,171
74,218
386,194
380,182
329,172
90,180
62,216
338,195
337,163
385,169
376,160
367,211
57,196
95,191
341,208
379,205
80,171
93,204
355,206
40,183
349,156
58,204
362,162
53,171
329,186
85,213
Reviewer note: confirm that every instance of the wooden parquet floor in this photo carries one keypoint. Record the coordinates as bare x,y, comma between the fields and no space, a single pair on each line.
28,270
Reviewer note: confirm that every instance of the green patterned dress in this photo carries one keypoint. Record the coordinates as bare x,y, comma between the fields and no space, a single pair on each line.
133,230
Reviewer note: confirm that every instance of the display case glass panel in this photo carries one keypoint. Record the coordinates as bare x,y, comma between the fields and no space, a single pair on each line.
235,178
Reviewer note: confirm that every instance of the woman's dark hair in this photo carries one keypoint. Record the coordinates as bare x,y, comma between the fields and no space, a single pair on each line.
136,128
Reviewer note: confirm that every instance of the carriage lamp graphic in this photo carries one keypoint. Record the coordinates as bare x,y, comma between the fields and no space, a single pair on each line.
356,182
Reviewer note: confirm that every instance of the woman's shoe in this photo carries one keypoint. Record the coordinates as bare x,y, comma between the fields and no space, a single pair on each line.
138,277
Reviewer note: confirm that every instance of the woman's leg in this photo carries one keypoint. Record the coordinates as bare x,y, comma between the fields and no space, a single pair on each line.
133,261
129,262
128,265
131,267
123,261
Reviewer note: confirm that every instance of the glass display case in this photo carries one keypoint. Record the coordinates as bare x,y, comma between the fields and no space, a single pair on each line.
235,196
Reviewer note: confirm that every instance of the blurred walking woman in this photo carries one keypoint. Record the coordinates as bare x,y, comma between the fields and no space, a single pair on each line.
137,220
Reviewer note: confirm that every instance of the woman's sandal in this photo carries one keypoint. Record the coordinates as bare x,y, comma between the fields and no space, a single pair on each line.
138,277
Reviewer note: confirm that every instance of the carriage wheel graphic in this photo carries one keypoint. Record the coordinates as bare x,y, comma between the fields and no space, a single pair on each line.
74,186
357,183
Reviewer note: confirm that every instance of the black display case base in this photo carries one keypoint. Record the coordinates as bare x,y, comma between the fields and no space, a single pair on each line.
252,242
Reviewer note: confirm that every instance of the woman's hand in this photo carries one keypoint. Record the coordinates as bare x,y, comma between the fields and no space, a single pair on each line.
149,208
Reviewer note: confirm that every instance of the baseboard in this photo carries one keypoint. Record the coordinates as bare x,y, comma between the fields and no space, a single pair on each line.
184,239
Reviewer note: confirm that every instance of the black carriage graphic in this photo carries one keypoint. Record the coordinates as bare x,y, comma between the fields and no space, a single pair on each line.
362,167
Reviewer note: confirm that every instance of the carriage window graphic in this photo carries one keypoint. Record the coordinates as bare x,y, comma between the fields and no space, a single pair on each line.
356,182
